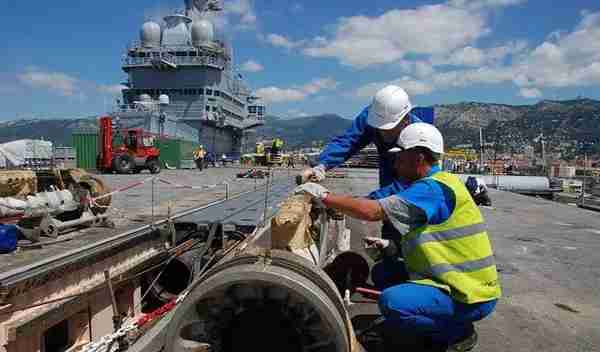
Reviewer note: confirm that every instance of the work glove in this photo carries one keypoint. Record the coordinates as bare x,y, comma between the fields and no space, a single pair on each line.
377,247
315,190
315,174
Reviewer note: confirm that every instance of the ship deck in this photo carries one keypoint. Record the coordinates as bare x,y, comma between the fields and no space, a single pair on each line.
548,255
131,211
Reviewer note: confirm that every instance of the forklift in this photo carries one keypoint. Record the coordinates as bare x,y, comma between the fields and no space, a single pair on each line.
132,154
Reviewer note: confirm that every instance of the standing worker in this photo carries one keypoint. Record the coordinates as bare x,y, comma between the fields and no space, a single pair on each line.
290,161
199,155
453,280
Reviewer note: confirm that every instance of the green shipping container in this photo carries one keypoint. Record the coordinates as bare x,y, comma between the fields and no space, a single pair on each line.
86,149
172,151
169,152
187,149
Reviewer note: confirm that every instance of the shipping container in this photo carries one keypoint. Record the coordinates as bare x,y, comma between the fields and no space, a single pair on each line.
187,164
173,151
169,152
86,149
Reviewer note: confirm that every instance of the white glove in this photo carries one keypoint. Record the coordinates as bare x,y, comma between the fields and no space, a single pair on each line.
377,247
315,190
315,174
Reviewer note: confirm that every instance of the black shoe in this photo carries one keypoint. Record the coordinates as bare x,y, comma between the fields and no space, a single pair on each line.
465,344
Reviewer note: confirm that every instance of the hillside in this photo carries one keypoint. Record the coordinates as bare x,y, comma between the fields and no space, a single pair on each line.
569,126
304,130
56,130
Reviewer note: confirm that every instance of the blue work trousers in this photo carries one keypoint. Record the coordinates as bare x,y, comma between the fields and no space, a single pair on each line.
423,311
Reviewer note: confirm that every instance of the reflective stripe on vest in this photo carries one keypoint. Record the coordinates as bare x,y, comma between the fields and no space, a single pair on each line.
455,255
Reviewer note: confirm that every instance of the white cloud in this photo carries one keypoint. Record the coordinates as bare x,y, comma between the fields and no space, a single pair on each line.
566,59
412,87
427,30
473,56
280,95
252,66
58,82
571,59
316,85
63,84
530,93
296,93
282,41
482,4
114,89
244,9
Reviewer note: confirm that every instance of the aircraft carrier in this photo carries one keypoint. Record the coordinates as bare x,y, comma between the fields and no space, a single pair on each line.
183,83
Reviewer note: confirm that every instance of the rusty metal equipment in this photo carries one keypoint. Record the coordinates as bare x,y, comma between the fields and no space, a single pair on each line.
269,291
47,202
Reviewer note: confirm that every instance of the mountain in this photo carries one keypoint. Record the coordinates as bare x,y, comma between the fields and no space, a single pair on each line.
568,126
56,130
302,131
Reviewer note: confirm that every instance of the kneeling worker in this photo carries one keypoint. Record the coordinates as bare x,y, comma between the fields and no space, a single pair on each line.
453,280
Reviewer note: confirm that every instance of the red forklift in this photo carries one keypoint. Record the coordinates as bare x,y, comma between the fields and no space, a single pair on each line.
133,152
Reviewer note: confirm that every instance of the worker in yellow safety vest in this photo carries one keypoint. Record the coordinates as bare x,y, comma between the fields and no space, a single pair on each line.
199,155
447,264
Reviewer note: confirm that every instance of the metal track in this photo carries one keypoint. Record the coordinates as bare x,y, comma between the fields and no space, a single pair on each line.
244,214
244,211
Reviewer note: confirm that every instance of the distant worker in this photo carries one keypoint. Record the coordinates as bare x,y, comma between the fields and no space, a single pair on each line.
276,146
199,155
452,279
290,161
211,159
478,190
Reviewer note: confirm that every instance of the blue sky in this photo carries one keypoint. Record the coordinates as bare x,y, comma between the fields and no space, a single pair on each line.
62,59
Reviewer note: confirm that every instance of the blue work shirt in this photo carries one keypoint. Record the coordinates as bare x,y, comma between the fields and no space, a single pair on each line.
358,136
425,201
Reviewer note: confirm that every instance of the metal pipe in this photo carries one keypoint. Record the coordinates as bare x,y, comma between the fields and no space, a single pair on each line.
323,237
262,300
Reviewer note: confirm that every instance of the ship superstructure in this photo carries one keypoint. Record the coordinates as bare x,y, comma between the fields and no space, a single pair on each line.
182,83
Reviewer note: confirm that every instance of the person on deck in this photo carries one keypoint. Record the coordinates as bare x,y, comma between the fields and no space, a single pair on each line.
452,278
379,123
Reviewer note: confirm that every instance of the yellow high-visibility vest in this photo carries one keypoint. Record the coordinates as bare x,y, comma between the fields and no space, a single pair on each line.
455,255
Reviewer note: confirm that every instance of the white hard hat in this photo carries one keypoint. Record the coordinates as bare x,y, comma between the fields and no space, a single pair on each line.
390,105
420,134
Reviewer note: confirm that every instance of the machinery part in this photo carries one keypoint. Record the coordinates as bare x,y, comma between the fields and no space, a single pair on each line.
175,278
269,301
123,164
38,205
153,165
52,227
17,183
348,271
88,185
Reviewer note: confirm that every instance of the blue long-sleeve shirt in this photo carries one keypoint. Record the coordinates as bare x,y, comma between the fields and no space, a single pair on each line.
358,136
